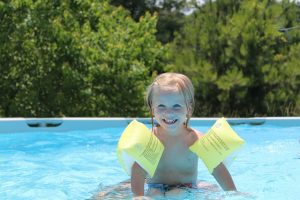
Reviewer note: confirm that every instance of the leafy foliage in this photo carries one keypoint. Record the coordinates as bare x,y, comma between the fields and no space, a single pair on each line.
170,14
240,63
75,58
89,58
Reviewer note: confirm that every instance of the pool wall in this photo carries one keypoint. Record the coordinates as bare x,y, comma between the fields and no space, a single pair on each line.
14,125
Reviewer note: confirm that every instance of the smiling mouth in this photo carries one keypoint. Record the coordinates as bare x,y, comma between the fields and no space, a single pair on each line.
169,122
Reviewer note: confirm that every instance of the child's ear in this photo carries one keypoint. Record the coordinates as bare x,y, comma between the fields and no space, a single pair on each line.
152,112
190,111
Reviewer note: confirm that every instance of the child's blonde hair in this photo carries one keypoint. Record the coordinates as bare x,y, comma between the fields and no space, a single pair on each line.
181,82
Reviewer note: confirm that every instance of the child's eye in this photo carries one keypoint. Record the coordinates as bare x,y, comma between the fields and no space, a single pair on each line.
161,106
177,106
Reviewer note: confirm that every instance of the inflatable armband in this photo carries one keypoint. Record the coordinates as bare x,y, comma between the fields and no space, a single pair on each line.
217,144
138,144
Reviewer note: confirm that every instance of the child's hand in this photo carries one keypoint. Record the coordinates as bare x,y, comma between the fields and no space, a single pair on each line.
238,193
141,198
245,194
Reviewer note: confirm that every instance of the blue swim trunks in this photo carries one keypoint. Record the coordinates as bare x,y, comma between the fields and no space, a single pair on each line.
165,187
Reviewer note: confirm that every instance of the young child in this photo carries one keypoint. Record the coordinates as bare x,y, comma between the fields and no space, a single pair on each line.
170,99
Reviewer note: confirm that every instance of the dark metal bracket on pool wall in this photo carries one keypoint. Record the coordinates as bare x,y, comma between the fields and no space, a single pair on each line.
43,123
248,122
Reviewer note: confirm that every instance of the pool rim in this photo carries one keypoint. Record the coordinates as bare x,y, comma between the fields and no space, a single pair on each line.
9,125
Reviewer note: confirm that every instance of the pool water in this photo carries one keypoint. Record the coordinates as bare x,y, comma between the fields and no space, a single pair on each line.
78,164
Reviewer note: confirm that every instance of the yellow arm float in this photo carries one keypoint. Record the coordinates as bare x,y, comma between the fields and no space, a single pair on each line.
217,144
138,144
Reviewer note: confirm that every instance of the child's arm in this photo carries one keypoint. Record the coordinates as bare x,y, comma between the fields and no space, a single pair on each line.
138,176
224,178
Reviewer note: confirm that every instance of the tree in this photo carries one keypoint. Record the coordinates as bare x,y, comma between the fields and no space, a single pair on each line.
239,61
75,58
170,14
137,8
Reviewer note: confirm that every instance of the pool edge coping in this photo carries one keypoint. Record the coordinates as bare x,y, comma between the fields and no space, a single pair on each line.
19,124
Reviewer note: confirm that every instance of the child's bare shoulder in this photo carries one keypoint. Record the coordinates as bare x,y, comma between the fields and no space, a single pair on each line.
194,135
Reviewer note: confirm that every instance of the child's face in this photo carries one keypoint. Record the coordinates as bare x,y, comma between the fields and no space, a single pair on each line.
169,108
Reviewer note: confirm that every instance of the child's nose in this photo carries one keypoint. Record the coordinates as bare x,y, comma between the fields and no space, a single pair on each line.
169,111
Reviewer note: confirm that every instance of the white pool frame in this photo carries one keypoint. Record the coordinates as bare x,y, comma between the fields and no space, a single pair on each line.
14,125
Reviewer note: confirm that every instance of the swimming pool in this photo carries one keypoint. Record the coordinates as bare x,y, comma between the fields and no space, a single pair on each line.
75,158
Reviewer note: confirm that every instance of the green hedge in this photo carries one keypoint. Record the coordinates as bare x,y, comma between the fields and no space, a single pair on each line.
88,58
239,61
75,58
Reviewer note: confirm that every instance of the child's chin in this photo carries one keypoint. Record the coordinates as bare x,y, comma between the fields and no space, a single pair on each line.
174,126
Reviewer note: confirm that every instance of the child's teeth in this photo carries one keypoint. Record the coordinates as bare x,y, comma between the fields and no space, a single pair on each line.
170,121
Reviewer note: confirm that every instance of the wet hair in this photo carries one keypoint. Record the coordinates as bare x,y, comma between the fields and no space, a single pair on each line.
173,80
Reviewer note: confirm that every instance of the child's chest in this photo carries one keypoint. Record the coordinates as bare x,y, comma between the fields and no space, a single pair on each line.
177,157
176,166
